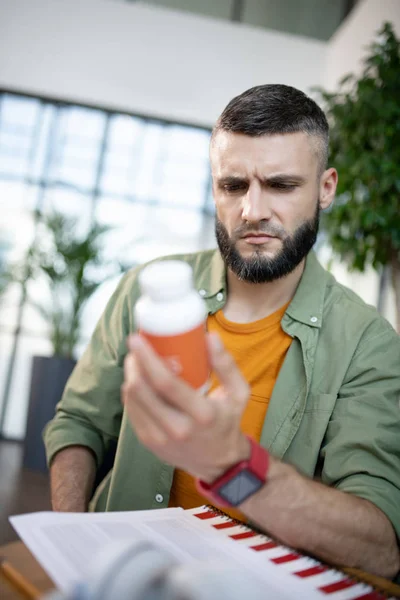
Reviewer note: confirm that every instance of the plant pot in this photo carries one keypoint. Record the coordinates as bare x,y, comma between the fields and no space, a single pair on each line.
48,379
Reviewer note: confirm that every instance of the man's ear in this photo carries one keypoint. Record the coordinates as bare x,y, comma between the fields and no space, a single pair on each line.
327,189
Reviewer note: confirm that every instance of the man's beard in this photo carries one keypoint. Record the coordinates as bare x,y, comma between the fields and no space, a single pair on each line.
259,268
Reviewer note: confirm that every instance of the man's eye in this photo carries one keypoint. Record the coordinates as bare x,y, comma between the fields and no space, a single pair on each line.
234,187
284,187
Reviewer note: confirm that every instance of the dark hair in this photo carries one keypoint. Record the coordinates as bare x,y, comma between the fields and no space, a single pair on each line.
276,109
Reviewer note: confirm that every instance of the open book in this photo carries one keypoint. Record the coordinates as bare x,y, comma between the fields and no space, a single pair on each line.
63,543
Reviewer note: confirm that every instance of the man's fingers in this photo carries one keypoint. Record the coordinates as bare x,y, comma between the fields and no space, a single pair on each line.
149,433
225,368
131,371
167,385
140,398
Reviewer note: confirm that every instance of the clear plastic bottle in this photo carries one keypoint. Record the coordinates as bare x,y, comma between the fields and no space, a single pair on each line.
171,315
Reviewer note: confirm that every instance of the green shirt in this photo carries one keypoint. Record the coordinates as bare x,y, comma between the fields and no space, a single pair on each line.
334,413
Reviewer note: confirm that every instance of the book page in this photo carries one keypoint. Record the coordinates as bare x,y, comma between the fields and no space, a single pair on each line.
66,543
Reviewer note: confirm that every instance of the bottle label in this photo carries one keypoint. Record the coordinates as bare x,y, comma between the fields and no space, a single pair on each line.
185,353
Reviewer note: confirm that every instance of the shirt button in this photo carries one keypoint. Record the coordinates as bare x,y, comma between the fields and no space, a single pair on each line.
202,292
313,319
220,296
159,498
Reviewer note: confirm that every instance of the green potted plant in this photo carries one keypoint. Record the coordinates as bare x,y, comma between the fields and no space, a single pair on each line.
364,114
68,263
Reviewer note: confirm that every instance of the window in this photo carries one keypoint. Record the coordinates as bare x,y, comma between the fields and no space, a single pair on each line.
146,178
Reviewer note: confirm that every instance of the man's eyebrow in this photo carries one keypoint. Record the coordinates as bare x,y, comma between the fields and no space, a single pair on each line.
284,178
273,180
231,180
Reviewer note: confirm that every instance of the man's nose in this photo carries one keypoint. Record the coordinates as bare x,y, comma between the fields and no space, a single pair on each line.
256,206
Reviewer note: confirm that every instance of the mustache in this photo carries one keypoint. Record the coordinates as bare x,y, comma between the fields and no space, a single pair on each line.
260,228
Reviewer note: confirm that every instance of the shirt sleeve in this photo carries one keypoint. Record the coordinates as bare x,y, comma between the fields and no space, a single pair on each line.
361,450
90,411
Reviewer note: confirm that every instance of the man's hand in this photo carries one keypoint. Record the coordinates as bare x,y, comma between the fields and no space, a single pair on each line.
200,434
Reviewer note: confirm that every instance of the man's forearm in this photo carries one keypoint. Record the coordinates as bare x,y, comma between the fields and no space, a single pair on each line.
72,475
337,527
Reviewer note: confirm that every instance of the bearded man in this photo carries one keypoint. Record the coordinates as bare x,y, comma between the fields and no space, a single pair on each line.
300,432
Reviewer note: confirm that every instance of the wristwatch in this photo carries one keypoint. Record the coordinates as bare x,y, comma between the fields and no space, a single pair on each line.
240,481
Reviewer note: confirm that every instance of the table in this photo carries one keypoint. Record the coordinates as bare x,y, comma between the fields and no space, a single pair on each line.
20,557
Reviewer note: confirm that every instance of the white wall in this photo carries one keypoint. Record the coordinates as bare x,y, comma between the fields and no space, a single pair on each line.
347,47
144,59
344,55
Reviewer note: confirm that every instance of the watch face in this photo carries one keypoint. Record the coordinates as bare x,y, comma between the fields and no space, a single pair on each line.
240,487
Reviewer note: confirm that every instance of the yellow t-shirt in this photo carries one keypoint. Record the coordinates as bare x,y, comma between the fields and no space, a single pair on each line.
258,349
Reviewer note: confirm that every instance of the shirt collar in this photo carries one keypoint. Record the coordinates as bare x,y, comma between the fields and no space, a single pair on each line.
212,279
307,303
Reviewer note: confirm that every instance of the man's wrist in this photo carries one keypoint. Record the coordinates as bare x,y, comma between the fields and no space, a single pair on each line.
241,451
281,478
242,479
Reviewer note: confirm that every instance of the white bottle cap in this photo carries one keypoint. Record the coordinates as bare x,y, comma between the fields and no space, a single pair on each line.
167,279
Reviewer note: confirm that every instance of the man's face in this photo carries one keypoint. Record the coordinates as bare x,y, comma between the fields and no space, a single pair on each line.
267,192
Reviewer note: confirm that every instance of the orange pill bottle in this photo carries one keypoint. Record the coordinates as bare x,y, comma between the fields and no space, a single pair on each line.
171,315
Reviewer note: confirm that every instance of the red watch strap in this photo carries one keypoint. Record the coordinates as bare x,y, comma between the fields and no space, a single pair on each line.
258,464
